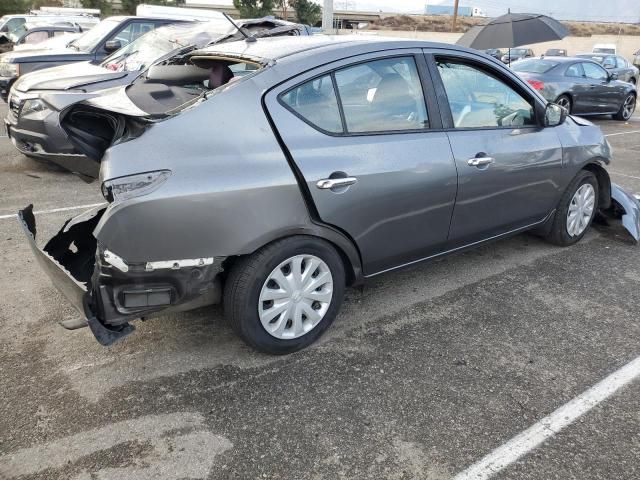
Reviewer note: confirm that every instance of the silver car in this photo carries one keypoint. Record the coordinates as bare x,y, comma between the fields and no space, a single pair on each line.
328,161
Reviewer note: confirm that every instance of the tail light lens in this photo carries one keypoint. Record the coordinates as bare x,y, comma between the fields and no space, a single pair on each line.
537,84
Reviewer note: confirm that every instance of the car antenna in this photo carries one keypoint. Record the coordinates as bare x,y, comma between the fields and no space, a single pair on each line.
247,38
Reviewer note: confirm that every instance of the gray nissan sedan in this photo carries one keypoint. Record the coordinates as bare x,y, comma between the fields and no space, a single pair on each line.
328,161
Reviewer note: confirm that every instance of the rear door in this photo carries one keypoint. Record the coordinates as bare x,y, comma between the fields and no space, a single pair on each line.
508,166
365,135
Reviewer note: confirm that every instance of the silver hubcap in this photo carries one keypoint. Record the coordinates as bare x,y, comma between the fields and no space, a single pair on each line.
295,297
629,106
581,210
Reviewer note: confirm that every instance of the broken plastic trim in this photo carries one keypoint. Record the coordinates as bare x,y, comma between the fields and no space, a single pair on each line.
631,207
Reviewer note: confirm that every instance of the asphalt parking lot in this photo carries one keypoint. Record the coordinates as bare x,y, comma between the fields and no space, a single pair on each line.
424,373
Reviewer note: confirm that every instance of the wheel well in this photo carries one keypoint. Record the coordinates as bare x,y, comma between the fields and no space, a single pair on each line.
604,184
352,269
566,94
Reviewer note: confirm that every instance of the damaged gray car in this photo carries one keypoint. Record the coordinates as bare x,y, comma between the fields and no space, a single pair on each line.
326,161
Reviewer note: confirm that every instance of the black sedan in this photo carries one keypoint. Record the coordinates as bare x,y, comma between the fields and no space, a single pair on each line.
580,85
615,64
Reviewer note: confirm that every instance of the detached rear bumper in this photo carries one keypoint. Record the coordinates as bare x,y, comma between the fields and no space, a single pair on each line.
109,293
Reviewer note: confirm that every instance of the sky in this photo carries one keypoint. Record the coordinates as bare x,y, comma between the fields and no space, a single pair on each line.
589,10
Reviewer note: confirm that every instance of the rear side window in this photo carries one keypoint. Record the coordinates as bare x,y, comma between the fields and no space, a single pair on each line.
377,96
382,95
316,102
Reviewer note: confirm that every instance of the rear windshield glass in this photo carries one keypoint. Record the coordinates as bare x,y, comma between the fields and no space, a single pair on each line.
533,66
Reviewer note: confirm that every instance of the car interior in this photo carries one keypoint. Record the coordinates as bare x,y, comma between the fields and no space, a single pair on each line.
477,99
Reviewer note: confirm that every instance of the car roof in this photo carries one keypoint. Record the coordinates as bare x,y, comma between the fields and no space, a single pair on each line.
275,48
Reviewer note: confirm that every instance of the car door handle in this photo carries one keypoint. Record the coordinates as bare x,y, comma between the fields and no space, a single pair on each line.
329,183
479,161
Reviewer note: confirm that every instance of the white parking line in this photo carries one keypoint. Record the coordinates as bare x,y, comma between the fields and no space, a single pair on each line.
624,175
621,133
546,428
54,210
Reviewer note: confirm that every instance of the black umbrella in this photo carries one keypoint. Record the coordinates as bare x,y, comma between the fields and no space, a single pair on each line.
513,30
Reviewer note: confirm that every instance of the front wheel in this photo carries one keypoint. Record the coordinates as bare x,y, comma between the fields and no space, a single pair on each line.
627,108
575,211
283,297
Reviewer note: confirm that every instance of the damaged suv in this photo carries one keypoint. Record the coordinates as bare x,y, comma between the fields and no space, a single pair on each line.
312,164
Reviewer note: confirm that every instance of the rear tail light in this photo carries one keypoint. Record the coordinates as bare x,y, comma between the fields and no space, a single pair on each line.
537,84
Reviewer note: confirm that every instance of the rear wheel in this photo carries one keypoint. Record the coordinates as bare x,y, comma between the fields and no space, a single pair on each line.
283,297
575,211
565,102
627,108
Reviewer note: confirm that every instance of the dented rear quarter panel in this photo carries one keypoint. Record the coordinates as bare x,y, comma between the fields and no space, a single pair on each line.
231,189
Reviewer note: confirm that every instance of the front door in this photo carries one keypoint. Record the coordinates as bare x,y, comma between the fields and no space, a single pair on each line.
372,162
604,95
508,166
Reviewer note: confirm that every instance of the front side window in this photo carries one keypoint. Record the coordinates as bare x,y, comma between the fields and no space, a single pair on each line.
316,102
36,37
594,72
575,70
479,100
382,95
132,31
621,62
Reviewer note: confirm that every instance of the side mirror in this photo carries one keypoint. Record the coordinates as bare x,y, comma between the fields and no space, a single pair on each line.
112,45
613,76
554,115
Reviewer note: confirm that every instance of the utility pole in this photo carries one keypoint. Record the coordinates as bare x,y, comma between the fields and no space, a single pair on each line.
455,16
327,16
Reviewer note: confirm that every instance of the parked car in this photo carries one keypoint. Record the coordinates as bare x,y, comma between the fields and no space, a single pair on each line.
36,36
636,59
495,53
105,38
615,64
580,85
606,48
555,52
517,54
37,131
333,161
14,26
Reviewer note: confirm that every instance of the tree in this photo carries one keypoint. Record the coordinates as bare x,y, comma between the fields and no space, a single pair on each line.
307,12
129,6
13,6
283,5
103,5
254,8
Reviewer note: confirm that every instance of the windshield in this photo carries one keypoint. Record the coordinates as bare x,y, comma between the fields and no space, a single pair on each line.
89,40
518,51
604,50
533,66
147,49
595,58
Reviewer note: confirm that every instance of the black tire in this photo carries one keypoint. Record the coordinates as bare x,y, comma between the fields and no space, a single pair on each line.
623,114
565,101
558,234
247,277
632,80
